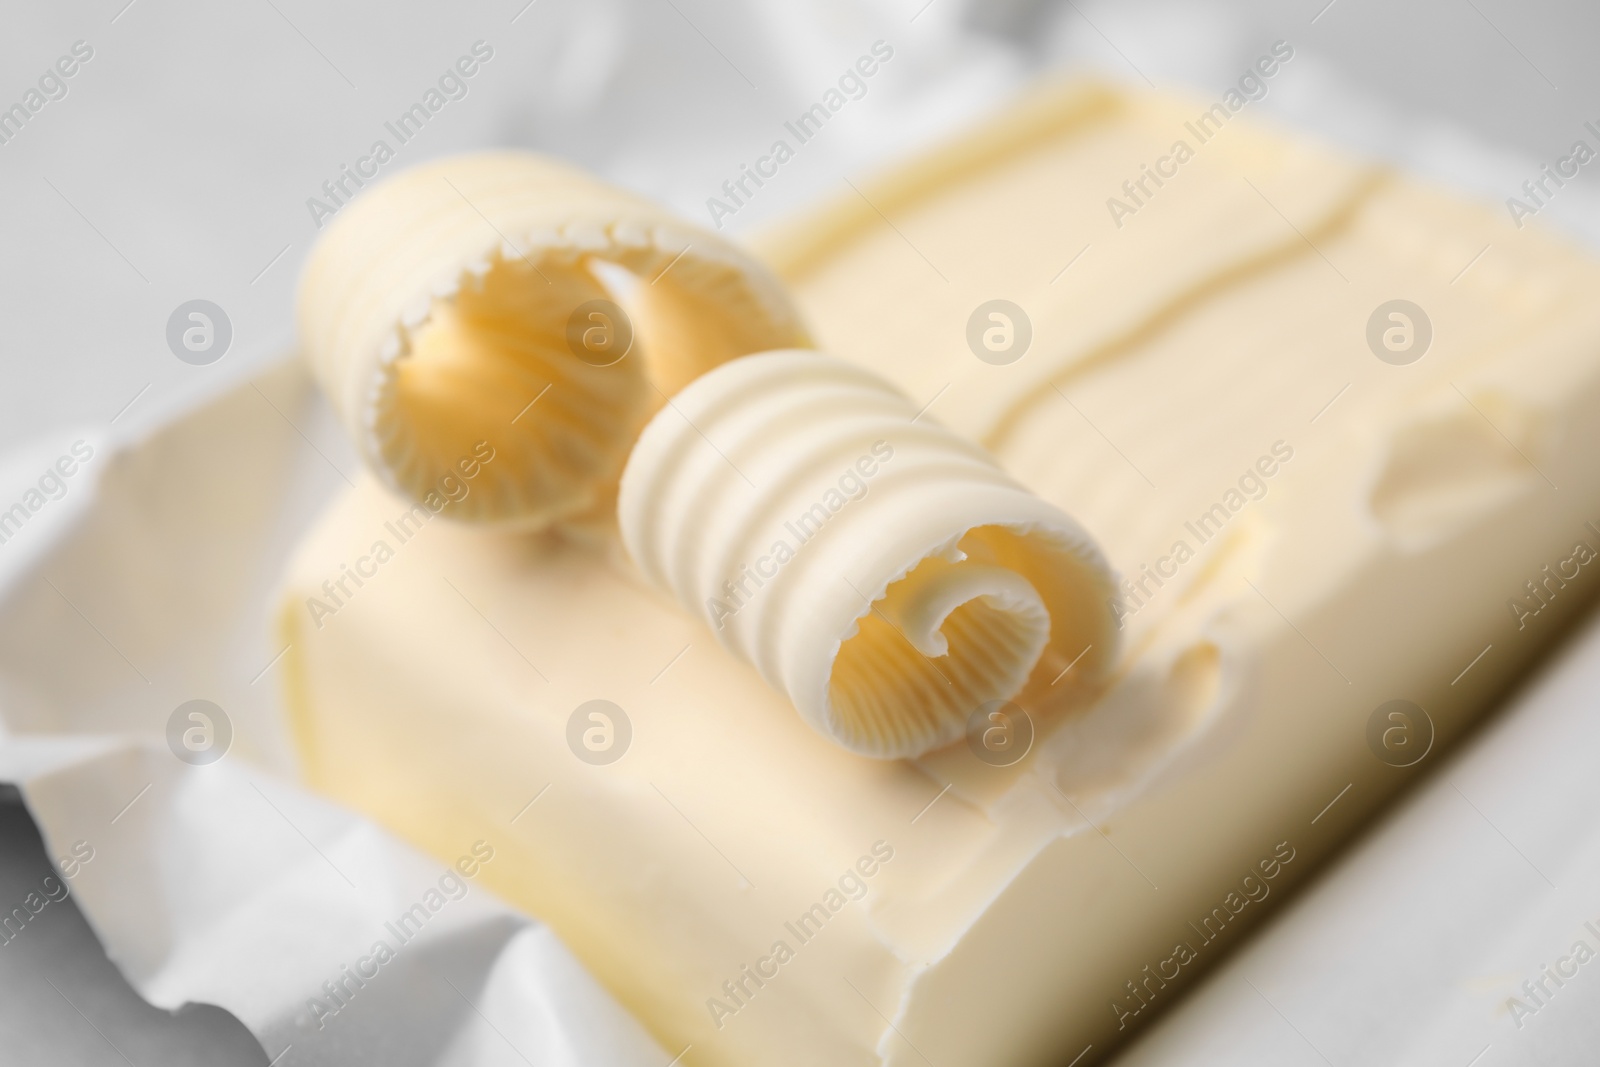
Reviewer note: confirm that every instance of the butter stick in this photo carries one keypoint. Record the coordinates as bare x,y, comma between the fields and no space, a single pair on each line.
1306,532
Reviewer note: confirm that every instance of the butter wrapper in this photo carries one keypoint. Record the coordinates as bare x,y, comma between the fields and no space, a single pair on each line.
137,692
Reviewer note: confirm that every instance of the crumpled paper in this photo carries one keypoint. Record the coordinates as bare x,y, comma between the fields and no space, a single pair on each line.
330,940
209,877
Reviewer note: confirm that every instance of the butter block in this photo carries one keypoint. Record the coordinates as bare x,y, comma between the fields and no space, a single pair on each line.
1309,524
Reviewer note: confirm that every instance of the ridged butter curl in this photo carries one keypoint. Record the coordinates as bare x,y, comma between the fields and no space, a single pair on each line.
436,308
880,570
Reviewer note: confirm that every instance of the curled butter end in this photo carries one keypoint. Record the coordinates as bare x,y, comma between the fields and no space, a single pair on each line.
880,570
470,307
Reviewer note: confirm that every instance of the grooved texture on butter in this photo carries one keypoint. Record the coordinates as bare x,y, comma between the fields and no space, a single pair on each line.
881,571
435,313
1176,369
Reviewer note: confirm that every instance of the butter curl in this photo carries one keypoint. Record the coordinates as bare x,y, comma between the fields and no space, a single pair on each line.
880,570
441,309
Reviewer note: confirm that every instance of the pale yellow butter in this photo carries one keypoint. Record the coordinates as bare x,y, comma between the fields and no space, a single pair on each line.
450,299
916,596
1199,376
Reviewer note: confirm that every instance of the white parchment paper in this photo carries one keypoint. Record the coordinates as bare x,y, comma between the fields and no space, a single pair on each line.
333,942
145,584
